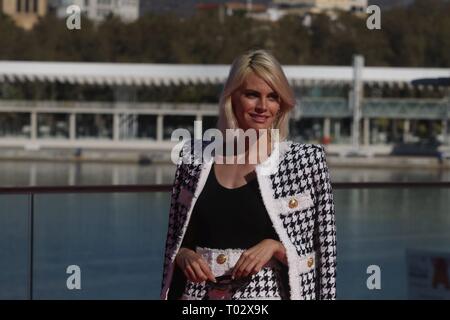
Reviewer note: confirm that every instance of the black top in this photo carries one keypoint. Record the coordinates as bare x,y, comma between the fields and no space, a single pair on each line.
225,218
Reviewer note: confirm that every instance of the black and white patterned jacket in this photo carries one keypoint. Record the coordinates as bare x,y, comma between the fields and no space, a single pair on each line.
296,190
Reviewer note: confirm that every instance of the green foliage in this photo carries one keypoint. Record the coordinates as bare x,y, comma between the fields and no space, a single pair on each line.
414,36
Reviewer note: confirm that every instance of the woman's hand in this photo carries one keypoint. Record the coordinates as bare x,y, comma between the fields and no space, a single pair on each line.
194,267
253,259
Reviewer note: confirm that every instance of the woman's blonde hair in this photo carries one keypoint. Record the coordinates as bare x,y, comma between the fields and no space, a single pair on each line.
265,66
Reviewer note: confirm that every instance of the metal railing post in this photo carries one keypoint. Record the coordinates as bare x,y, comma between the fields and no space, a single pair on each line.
31,243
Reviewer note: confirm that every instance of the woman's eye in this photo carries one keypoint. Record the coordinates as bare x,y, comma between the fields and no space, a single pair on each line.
251,95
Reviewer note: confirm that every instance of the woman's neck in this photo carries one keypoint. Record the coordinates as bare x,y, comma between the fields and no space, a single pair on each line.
248,152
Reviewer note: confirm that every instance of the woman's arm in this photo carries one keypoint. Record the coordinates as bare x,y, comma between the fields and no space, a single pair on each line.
253,260
173,223
194,266
280,253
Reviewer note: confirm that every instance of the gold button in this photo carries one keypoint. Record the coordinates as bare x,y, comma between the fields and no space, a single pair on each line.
310,262
293,203
221,258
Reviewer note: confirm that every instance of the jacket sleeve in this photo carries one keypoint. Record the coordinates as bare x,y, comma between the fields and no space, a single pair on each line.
174,226
325,231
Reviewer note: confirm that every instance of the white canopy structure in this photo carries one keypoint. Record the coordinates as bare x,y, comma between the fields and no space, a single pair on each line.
141,74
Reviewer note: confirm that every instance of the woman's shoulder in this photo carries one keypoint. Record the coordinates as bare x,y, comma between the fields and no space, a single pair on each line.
191,151
288,147
188,145
307,148
302,153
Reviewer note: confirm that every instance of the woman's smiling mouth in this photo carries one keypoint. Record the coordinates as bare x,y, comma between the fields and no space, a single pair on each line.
258,118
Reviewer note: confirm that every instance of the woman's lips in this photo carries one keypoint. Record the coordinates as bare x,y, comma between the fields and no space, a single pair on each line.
258,118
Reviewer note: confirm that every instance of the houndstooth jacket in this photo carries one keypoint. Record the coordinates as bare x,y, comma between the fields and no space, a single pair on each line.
295,186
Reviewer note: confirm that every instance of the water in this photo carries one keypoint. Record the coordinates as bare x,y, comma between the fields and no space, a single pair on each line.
378,226
29,173
117,239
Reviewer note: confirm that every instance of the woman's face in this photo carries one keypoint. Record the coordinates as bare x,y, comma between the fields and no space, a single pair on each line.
255,104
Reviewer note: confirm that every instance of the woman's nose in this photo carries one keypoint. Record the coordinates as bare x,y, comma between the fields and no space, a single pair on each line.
262,105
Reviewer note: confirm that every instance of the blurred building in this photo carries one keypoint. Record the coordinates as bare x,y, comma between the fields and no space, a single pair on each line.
234,7
98,10
25,13
252,10
180,8
304,8
320,6
278,8
131,120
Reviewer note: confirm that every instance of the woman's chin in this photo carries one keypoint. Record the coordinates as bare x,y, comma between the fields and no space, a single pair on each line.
259,127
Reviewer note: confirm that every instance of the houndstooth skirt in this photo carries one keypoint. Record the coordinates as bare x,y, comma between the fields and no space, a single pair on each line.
267,284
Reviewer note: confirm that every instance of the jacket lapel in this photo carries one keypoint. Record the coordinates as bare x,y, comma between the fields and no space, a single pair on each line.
264,173
189,199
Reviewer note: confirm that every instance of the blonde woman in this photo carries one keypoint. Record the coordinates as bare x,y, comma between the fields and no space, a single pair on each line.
263,230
